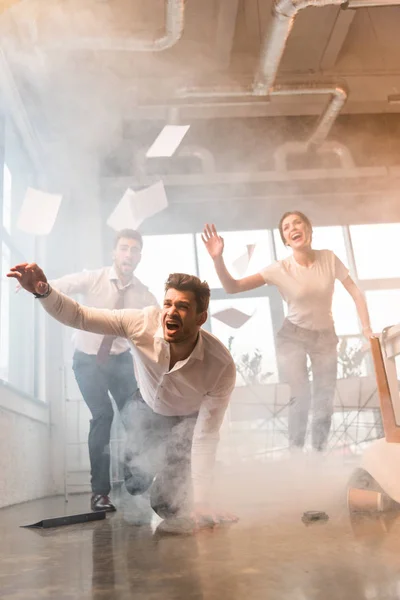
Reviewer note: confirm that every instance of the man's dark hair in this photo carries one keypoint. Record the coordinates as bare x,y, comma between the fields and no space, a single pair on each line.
190,283
131,234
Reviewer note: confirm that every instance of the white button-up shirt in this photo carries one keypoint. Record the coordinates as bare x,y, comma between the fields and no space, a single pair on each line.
202,382
101,288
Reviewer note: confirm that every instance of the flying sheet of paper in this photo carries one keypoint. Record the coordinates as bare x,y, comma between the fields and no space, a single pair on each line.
232,317
38,212
241,264
250,250
136,207
167,141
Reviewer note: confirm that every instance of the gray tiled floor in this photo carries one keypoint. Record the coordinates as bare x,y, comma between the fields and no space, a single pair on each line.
270,554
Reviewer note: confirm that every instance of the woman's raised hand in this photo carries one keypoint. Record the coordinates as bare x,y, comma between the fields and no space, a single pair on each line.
212,241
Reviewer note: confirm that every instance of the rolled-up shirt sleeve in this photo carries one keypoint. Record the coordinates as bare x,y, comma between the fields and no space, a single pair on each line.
206,433
128,323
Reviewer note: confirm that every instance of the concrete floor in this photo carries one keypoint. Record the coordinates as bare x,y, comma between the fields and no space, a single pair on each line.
270,554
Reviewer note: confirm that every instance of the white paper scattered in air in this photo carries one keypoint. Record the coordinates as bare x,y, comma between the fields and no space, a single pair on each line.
167,141
136,207
38,212
232,317
241,264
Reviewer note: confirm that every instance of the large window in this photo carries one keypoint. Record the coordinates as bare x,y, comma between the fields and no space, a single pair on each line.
376,250
162,255
5,314
330,238
17,318
7,192
239,246
384,308
252,344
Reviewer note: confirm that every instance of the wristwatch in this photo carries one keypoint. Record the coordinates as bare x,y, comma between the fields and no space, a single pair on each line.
47,293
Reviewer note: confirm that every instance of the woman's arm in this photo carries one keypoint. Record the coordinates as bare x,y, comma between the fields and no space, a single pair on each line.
215,247
361,305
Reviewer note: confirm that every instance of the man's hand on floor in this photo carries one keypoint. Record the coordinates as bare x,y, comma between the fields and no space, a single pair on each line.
204,515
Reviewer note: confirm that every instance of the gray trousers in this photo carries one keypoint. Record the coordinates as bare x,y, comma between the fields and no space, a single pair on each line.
294,344
158,457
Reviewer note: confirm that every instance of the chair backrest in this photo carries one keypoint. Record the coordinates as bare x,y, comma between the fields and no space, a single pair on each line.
384,357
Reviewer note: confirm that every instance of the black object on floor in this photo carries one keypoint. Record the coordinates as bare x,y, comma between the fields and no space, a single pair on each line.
68,520
311,516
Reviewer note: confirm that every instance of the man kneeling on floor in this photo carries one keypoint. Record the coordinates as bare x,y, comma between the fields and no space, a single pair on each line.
186,376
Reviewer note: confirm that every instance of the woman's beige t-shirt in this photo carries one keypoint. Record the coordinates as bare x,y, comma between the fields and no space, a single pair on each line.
308,291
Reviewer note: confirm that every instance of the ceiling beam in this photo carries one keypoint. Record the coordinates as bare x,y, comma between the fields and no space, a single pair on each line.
337,38
226,27
6,4
252,19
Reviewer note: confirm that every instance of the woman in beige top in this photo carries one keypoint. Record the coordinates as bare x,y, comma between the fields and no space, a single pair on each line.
306,282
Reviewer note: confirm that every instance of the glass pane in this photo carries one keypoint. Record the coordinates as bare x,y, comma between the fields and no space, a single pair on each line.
384,308
236,243
252,345
7,185
5,315
376,250
162,255
17,331
330,238
344,312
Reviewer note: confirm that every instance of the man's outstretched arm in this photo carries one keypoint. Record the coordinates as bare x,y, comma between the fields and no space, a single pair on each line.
121,323
204,447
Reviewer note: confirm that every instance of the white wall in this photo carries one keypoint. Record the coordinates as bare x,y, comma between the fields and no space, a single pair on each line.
24,448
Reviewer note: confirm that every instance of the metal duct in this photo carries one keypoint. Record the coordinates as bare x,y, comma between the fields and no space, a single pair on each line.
284,13
174,23
289,148
369,3
202,154
338,95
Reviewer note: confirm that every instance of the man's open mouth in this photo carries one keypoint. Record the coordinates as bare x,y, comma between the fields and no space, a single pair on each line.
172,325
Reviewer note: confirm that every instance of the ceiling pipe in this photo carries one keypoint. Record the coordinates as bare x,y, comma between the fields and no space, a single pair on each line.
287,149
174,24
338,96
354,4
284,13
204,155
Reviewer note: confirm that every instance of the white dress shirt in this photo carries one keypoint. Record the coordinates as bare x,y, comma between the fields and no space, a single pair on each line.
203,382
100,288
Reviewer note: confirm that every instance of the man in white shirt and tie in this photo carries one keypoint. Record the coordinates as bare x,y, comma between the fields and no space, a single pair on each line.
185,374
104,364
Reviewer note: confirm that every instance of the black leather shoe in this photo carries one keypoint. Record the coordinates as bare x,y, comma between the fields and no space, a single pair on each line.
99,502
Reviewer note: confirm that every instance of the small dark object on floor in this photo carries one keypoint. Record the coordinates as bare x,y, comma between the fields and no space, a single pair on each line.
68,520
312,516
